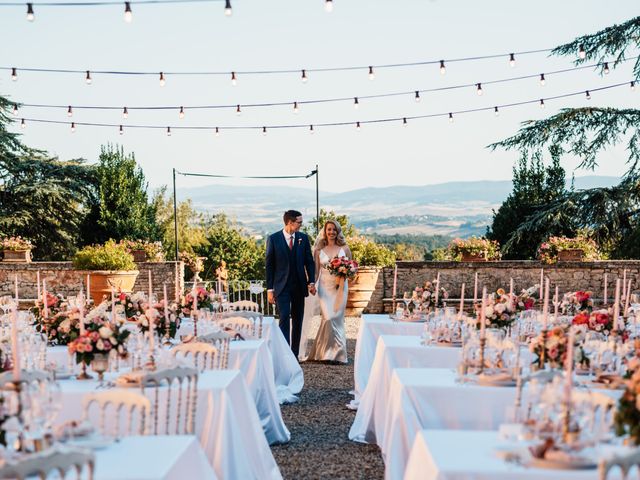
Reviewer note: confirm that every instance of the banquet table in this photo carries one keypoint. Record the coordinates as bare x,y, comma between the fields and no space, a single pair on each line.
227,422
470,455
181,457
253,359
371,327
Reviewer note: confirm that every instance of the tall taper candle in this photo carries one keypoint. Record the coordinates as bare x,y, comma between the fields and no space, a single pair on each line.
541,281
88,285
194,293
605,288
437,289
556,303
545,310
81,311
166,304
626,300
511,302
45,307
15,281
113,305
461,300
624,282
616,305
475,290
177,284
150,288
483,327
38,282
395,281
15,344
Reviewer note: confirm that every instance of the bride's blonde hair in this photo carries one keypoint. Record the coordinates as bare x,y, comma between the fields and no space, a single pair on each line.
321,241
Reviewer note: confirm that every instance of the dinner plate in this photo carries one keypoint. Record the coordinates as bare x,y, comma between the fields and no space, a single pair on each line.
449,344
496,382
577,464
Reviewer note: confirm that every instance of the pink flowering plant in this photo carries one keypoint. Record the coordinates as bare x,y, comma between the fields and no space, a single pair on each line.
597,321
134,304
152,250
526,300
548,250
499,311
479,247
16,243
551,349
55,304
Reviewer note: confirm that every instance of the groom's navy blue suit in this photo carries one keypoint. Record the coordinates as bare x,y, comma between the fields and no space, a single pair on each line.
289,273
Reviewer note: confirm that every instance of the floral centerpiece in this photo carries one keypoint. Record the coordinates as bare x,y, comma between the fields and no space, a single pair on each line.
55,304
575,302
61,328
474,248
500,310
151,251
343,269
550,349
526,300
598,321
164,326
203,297
627,416
134,304
548,251
426,295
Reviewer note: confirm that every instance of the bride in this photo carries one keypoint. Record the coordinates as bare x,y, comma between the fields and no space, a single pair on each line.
331,342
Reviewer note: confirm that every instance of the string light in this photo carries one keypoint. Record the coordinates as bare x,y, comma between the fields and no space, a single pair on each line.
295,107
87,78
14,74
417,96
512,60
606,68
542,103
443,69
372,75
542,80
496,111
22,124
404,122
125,113
128,14
264,131
227,8
69,111
358,126
238,111
588,95
15,109
181,114
581,53
328,6
450,117
632,85
30,15
234,80
479,88
168,131
73,127
163,82
356,103
217,132
121,130
311,130
304,76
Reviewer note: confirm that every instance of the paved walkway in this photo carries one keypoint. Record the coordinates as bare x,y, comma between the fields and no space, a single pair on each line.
319,423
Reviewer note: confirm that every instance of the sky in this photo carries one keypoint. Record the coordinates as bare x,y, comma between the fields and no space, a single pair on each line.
296,34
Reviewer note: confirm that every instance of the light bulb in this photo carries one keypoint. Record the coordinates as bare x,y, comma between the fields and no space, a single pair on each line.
416,97
217,132
121,130
404,122
479,88
496,111
238,111
358,126
588,95
15,109
371,74
87,78
295,107
69,111
264,131
450,117
512,60
542,103
234,80
14,74
181,114
163,82
443,69
125,113
311,130
356,103
30,15
227,8
168,131
22,124
606,68
542,79
73,127
581,53
328,6
128,14
304,76
632,85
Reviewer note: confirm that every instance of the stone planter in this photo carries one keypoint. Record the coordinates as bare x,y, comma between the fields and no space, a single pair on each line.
103,280
18,256
360,290
571,255
139,256
473,257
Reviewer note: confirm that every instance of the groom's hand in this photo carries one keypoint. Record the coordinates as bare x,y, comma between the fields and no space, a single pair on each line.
312,289
271,298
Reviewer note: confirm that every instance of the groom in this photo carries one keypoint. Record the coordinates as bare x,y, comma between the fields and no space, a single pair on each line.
290,275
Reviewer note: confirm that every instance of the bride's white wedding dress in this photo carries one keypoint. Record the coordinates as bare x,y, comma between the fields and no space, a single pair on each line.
331,342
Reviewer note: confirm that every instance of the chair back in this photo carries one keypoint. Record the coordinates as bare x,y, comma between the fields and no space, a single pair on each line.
247,327
26,376
185,381
58,459
205,355
221,341
244,305
625,461
128,402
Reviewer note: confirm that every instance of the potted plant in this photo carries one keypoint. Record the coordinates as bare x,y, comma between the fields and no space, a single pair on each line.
568,249
145,251
371,258
474,249
111,267
16,249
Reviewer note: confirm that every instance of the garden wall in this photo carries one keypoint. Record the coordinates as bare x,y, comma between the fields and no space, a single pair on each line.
569,276
62,278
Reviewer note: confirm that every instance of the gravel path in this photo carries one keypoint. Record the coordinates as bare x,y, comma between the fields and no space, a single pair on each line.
319,425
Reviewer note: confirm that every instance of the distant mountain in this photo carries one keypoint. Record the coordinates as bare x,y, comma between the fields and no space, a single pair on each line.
452,208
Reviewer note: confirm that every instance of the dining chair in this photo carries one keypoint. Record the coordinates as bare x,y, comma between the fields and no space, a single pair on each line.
133,404
244,305
57,459
205,355
625,461
220,340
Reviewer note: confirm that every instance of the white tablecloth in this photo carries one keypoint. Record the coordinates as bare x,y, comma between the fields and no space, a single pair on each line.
154,458
393,351
466,455
371,327
430,398
227,423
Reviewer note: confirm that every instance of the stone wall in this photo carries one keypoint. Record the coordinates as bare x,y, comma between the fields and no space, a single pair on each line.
569,276
62,278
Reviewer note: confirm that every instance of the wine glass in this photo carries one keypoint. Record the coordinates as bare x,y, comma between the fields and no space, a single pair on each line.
407,298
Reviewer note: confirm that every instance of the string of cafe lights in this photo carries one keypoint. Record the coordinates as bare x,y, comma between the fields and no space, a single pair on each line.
297,104
313,127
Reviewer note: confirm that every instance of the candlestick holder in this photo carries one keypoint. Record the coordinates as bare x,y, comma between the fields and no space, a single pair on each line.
566,423
543,353
194,316
483,342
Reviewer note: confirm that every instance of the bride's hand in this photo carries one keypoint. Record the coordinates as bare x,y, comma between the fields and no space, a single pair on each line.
312,289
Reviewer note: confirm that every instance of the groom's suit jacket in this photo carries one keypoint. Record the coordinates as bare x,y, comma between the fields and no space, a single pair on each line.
278,265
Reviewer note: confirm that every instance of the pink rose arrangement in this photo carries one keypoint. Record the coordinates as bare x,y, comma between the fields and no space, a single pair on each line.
342,268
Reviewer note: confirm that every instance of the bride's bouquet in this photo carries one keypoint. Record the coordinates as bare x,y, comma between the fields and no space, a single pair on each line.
343,269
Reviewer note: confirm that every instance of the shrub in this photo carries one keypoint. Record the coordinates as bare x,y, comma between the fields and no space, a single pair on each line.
152,250
15,243
110,256
481,247
369,253
548,251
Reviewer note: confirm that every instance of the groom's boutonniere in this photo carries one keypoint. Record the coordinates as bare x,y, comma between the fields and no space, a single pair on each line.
299,241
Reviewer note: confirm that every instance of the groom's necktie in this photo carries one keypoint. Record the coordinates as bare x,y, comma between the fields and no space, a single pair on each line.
291,242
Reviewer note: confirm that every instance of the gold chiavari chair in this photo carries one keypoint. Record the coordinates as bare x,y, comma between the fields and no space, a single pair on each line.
133,404
57,459
205,355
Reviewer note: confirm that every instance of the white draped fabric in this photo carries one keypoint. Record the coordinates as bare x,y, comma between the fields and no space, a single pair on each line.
393,351
371,327
153,458
227,423
466,455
